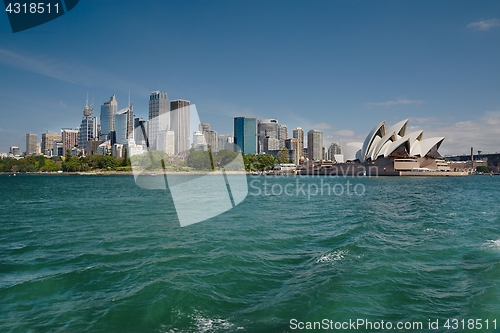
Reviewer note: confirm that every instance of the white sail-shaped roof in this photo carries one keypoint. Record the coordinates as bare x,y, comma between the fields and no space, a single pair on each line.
384,141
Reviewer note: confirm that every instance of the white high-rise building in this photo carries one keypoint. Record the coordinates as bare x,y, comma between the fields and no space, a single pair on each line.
166,142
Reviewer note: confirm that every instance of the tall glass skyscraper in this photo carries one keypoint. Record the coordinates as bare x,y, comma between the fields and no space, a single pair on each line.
123,124
108,110
245,134
158,116
88,127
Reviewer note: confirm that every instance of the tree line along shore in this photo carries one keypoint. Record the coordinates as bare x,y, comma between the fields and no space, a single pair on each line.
195,161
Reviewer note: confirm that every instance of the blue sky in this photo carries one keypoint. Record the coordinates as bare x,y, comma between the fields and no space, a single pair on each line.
337,66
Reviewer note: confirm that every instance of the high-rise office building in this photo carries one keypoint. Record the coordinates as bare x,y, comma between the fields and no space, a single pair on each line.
245,134
298,133
31,144
315,145
124,124
225,142
210,137
88,127
166,142
180,123
267,128
69,139
333,150
159,119
48,140
282,135
293,147
108,110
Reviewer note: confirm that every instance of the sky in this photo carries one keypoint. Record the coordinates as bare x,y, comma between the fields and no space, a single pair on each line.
338,66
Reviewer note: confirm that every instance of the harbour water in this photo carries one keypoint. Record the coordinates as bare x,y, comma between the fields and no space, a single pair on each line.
100,254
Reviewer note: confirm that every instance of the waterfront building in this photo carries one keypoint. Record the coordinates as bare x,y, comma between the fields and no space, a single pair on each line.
180,123
31,139
48,140
391,149
159,119
108,110
69,139
88,127
267,128
315,145
298,133
245,134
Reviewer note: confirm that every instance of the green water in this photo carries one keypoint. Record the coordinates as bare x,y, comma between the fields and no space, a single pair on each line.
99,254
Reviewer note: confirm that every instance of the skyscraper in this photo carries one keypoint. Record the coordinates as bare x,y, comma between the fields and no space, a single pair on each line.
267,128
293,147
123,124
245,134
180,123
108,110
298,133
282,135
48,140
158,116
69,139
315,145
333,150
88,127
31,144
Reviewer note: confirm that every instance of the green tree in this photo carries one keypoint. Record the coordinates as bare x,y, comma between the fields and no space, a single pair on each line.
283,156
225,157
199,160
266,162
482,168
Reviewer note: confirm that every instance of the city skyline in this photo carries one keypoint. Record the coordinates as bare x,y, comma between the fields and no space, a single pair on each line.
352,65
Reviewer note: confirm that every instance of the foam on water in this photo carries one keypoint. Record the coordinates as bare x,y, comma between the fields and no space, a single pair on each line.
492,244
332,256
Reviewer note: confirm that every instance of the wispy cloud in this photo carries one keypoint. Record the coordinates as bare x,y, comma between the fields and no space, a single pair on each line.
484,24
322,126
71,73
396,102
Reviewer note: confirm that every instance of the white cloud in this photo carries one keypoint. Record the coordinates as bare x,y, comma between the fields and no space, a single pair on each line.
482,134
484,24
396,102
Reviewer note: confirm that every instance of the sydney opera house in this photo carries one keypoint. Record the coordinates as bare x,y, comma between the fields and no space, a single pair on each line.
393,149
390,150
